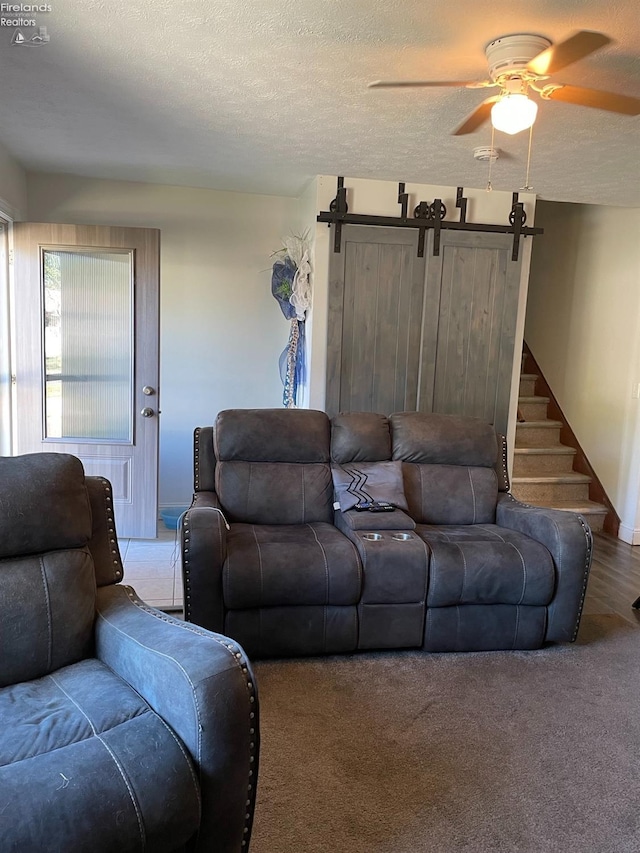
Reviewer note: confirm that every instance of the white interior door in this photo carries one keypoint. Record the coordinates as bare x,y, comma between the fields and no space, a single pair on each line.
86,356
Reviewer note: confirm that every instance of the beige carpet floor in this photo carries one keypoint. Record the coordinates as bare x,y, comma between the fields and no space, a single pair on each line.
405,752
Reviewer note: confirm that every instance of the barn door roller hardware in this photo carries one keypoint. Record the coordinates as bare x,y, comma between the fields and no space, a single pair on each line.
425,216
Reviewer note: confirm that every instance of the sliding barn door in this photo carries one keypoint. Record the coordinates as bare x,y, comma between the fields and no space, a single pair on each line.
469,326
432,334
376,286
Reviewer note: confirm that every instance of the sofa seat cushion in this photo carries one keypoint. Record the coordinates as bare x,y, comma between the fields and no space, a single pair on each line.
76,766
289,564
486,564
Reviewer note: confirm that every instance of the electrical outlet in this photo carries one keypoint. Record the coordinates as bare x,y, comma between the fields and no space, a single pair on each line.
635,392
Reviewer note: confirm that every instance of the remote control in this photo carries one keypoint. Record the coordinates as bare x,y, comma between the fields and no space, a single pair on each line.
381,506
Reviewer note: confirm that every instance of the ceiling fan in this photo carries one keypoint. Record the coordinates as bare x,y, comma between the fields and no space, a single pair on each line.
523,62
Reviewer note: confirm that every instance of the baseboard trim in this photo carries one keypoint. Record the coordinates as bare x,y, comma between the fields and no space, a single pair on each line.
630,535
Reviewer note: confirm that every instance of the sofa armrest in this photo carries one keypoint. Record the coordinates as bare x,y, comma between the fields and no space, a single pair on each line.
568,538
204,550
202,686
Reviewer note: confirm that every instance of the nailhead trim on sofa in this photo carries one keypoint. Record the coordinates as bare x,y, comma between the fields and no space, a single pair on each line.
241,662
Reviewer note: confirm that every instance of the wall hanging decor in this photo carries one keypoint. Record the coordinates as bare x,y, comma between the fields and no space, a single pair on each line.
291,286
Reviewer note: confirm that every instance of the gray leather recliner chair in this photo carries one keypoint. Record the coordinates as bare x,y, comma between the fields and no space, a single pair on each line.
122,728
502,574
281,579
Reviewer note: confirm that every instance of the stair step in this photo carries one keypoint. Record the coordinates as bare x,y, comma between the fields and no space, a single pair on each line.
572,477
549,489
545,424
543,472
528,383
533,408
534,461
593,512
545,433
556,450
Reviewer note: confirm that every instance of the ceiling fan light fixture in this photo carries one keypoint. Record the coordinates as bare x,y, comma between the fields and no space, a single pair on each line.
513,113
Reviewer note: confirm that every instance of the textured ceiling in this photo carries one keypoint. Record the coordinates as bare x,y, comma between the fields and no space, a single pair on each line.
260,95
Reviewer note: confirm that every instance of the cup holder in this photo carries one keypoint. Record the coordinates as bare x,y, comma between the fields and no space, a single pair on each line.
376,537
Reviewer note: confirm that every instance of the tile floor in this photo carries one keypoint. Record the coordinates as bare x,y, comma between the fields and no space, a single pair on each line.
152,567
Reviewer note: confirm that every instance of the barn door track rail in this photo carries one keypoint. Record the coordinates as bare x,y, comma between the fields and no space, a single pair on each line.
425,216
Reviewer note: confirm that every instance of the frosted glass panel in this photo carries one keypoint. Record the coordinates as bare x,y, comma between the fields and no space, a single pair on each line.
88,344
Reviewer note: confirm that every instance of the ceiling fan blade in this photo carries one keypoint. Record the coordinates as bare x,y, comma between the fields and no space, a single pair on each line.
481,114
593,98
570,50
411,84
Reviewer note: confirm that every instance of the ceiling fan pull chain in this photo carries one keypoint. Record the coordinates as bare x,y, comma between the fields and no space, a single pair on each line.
491,159
526,186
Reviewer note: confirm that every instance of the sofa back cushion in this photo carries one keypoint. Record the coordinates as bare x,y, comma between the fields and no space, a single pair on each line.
448,466
443,439
44,504
450,494
272,435
47,581
47,607
272,465
275,492
360,437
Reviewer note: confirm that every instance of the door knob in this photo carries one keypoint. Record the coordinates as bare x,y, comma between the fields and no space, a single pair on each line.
147,412
148,391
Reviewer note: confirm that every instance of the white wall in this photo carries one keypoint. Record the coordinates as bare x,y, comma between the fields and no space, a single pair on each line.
222,332
13,204
13,186
305,224
381,198
583,327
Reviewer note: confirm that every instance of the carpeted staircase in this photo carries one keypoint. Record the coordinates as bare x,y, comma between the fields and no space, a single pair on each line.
543,472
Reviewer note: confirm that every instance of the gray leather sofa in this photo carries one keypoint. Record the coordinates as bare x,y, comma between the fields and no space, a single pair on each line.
122,728
267,558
